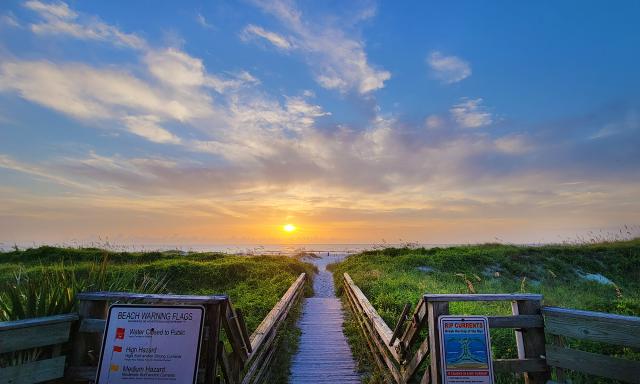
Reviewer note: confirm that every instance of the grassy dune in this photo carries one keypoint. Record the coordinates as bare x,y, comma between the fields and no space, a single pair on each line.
566,276
254,283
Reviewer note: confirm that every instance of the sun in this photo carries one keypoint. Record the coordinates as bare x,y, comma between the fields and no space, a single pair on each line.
289,228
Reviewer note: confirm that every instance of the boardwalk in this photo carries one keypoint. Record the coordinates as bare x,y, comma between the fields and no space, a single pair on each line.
324,355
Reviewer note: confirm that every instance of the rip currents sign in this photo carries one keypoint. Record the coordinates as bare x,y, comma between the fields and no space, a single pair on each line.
465,350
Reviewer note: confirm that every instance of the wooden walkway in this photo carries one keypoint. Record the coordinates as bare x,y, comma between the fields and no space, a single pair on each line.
323,355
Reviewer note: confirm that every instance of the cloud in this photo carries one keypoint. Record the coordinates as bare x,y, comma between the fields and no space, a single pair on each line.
85,92
470,113
515,144
10,163
433,122
337,60
59,19
265,155
180,70
8,19
251,31
148,127
448,69
200,19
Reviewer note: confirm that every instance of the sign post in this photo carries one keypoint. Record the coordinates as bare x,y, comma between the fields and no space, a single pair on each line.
151,343
465,350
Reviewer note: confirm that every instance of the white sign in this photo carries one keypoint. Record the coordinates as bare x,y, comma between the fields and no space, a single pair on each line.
465,350
150,344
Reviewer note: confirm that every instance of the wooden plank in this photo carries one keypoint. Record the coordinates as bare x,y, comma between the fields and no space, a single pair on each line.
92,325
243,330
426,377
418,320
18,339
210,355
519,365
262,374
379,351
382,329
518,321
593,326
434,310
482,297
232,329
360,319
560,373
260,358
400,323
224,364
263,338
33,372
382,348
518,332
84,342
594,364
151,298
38,321
533,343
258,336
81,373
409,369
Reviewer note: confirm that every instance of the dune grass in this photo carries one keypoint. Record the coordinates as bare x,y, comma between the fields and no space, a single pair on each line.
253,283
43,281
566,275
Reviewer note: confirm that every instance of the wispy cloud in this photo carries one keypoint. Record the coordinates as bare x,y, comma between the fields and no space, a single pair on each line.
147,127
200,19
470,113
252,31
59,19
338,60
263,153
9,20
448,69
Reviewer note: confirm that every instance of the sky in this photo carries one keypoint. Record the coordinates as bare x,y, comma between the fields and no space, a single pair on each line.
200,122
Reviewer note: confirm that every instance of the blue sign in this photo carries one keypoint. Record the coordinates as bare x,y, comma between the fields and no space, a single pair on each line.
465,347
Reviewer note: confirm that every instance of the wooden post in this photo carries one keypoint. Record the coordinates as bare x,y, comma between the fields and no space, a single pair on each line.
82,342
560,374
531,340
211,359
434,310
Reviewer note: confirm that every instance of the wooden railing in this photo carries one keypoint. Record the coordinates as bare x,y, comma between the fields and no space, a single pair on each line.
600,327
400,354
526,319
37,344
262,340
247,361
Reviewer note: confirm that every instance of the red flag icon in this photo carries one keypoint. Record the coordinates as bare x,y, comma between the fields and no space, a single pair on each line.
120,333
117,348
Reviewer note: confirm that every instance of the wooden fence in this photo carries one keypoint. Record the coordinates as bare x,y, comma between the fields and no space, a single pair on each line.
247,361
33,348
400,353
562,323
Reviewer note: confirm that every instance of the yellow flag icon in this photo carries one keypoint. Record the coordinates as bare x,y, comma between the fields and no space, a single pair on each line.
114,367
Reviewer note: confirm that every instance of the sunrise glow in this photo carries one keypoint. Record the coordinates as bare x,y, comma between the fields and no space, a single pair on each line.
373,122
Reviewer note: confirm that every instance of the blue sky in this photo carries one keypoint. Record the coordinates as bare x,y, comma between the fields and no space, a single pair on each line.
218,122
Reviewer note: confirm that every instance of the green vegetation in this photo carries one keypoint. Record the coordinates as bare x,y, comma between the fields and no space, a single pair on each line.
253,283
44,281
566,275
